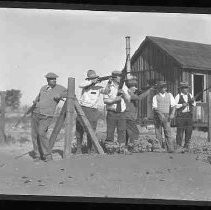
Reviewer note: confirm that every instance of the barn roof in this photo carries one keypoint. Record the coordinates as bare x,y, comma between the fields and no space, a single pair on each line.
189,55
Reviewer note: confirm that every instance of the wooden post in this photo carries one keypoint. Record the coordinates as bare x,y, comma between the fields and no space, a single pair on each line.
209,116
58,125
2,118
69,135
88,127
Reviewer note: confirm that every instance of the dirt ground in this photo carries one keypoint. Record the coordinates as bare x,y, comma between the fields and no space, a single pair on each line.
140,175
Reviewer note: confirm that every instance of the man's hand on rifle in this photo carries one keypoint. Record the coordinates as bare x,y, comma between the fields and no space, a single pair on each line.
171,116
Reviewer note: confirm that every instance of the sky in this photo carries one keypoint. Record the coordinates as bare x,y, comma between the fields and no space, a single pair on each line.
70,42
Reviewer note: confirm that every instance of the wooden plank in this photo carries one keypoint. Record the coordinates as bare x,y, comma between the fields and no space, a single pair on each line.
69,135
2,118
209,118
88,127
58,126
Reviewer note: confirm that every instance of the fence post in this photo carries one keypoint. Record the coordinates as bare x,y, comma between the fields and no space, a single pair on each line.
58,125
209,116
2,118
69,135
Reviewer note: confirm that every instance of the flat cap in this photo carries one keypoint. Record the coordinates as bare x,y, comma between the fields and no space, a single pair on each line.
51,75
116,73
132,82
161,84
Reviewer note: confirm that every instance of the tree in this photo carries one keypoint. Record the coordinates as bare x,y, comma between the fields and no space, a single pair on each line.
12,98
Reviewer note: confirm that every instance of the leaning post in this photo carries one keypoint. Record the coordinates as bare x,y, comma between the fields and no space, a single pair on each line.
2,118
209,116
69,135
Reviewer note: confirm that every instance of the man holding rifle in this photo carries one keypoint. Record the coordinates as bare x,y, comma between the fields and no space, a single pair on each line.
116,114
184,115
163,105
42,115
89,101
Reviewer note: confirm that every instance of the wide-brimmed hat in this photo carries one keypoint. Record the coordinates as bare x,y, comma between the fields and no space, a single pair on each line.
91,74
116,73
183,85
51,75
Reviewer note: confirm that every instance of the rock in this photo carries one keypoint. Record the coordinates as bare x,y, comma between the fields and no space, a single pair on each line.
27,181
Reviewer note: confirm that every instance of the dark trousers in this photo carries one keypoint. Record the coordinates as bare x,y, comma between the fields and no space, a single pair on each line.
93,116
184,124
132,132
39,127
163,124
116,120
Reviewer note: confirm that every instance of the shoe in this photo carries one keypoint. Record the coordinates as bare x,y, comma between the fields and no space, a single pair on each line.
47,158
37,159
73,150
126,152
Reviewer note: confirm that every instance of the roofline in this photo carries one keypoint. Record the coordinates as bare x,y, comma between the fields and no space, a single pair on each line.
147,38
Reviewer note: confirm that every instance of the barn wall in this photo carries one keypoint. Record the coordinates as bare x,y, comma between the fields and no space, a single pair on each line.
152,63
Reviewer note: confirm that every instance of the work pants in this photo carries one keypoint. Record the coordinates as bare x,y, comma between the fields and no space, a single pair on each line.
132,132
39,127
92,115
116,120
163,124
184,124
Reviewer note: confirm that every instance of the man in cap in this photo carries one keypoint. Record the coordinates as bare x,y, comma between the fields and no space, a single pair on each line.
163,105
89,101
115,116
42,115
131,112
184,115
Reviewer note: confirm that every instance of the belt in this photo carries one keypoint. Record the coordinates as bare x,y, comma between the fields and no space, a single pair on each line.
113,111
89,107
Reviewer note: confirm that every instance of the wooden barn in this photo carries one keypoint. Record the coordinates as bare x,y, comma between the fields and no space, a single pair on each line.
174,61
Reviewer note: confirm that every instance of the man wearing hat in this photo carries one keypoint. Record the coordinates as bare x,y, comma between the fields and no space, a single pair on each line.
42,115
89,101
131,111
184,114
115,115
163,105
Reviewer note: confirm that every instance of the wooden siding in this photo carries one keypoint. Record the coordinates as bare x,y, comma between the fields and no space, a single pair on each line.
153,63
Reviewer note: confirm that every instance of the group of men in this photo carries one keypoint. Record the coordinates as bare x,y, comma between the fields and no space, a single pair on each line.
122,108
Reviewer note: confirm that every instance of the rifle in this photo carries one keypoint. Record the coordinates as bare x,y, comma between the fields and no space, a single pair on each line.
198,94
152,83
29,110
122,80
99,79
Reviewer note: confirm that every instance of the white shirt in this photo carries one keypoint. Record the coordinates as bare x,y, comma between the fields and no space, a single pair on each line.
155,103
186,109
90,97
112,95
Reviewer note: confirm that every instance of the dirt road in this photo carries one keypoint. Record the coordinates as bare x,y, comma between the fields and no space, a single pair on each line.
140,175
